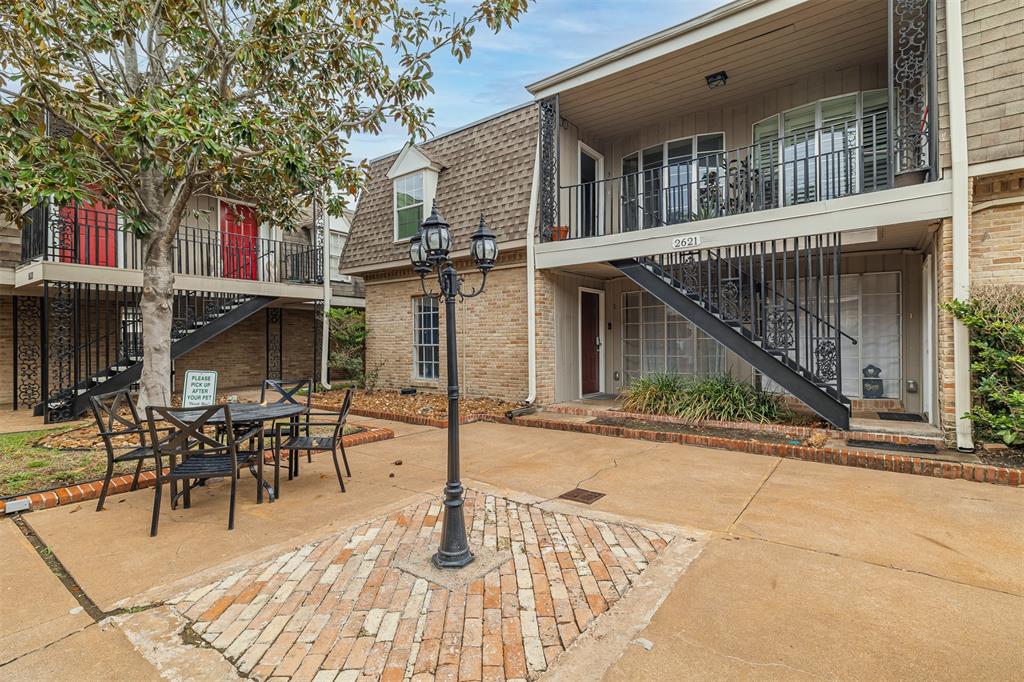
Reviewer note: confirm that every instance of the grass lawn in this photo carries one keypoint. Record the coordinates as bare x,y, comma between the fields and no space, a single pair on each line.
26,466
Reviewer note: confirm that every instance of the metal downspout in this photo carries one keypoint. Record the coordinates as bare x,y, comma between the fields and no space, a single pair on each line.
531,284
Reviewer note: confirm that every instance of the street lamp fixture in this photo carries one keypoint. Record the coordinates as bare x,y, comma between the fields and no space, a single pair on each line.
429,251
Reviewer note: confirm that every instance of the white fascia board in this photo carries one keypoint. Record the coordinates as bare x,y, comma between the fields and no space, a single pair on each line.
714,23
347,302
39,272
929,201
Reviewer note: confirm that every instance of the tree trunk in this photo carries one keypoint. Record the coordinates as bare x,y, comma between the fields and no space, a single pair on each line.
157,317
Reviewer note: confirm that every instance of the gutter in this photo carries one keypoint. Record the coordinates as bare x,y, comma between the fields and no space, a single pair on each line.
531,284
960,177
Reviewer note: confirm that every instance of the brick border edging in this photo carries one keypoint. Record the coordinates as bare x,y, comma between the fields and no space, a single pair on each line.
406,418
90,490
982,473
753,427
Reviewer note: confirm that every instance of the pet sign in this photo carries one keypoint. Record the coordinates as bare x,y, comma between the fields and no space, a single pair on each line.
200,388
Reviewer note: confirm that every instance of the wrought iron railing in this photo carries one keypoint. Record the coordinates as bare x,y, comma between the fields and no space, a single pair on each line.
91,332
783,294
842,159
93,236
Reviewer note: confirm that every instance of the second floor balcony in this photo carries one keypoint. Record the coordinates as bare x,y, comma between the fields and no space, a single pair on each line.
757,113
92,235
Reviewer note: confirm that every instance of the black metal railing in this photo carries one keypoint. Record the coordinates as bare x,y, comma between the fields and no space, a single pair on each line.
846,158
92,332
784,295
88,235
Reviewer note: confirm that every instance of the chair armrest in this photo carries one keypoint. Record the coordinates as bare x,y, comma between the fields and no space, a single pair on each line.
125,432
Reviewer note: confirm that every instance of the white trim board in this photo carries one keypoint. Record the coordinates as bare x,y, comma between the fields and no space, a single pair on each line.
929,201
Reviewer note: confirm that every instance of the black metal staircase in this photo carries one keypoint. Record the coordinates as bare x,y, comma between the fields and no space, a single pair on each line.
93,337
775,304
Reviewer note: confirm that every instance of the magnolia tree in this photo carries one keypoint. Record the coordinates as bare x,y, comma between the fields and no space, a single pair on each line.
168,100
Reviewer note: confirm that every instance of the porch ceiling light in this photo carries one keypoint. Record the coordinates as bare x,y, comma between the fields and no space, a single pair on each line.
484,247
716,80
436,236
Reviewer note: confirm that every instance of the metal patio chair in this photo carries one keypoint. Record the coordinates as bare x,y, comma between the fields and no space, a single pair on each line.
116,415
277,391
193,455
294,438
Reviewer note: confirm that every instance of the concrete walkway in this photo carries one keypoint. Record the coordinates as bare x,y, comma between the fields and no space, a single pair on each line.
811,570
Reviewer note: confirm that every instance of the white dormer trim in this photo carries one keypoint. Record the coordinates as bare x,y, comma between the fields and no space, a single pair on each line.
411,160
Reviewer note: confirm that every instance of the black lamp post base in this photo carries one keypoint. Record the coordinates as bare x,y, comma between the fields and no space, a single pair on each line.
452,560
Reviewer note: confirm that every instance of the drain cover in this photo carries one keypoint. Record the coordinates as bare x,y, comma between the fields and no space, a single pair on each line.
582,495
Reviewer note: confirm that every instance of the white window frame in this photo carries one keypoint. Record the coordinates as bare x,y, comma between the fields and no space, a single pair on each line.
417,315
583,148
394,202
335,262
664,168
858,117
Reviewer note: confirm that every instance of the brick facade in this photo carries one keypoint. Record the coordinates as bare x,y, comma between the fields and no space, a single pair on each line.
239,354
492,332
6,351
996,236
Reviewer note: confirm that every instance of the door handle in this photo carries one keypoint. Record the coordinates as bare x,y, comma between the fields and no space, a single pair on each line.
597,342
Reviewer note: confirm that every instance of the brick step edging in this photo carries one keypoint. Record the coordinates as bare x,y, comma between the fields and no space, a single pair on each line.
753,427
90,490
982,473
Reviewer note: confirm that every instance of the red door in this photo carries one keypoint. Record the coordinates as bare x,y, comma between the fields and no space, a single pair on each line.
88,234
238,238
590,342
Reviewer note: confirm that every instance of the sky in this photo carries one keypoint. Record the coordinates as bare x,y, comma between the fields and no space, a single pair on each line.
553,35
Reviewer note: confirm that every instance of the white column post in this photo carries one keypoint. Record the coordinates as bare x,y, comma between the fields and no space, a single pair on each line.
960,176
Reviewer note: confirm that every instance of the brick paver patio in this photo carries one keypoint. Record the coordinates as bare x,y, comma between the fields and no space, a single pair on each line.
339,609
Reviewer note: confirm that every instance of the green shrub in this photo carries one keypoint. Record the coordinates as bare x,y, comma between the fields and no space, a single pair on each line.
348,342
719,398
995,318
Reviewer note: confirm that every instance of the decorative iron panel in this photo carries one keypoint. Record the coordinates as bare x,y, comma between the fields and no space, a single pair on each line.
274,337
28,311
910,56
549,126
60,347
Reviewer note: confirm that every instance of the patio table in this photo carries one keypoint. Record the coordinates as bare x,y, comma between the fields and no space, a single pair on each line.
243,417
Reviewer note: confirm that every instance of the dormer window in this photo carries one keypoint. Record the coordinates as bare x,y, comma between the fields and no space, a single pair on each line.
409,197
414,178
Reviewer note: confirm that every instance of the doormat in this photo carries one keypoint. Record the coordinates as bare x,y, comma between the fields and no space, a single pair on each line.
900,416
916,448
582,495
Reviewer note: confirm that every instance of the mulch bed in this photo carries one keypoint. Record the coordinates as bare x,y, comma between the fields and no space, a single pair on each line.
674,427
428,405
1012,458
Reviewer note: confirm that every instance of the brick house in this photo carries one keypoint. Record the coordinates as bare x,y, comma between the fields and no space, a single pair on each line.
779,190
249,300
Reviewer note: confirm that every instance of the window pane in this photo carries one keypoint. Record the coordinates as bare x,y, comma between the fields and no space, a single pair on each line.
409,220
679,150
426,335
710,143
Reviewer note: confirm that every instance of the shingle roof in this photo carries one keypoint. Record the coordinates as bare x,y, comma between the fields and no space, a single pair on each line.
489,169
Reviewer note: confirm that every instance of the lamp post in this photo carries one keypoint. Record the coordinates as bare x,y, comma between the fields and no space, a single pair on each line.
429,252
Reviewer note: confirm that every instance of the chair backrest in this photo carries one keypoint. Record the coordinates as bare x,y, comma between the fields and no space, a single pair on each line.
116,415
346,405
277,391
185,435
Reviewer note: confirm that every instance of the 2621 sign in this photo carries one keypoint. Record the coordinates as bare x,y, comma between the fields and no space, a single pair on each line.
687,241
